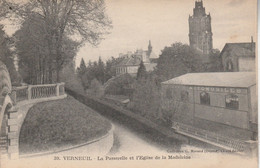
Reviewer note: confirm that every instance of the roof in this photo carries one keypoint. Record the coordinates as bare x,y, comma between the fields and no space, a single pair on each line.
240,49
130,62
221,79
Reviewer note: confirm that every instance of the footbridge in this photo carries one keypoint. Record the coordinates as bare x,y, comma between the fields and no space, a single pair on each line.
11,99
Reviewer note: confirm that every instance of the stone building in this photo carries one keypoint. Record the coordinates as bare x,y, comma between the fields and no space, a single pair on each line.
131,61
200,34
238,57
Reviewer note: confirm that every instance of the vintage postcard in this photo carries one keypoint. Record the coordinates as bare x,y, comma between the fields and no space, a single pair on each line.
128,83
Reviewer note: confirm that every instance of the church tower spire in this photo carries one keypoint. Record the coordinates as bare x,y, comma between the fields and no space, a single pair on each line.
200,34
150,48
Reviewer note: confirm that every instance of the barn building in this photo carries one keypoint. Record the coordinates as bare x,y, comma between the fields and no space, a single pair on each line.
224,102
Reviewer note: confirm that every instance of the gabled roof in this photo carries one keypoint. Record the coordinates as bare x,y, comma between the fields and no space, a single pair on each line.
240,49
130,62
220,79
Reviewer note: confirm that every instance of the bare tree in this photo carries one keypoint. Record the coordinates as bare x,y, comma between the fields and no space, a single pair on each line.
84,19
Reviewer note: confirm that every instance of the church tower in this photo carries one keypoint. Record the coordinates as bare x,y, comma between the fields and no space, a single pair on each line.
200,34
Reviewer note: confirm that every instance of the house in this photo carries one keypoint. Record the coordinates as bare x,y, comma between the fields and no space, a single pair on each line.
223,102
131,61
238,57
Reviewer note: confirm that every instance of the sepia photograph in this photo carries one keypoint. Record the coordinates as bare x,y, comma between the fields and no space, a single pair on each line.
128,83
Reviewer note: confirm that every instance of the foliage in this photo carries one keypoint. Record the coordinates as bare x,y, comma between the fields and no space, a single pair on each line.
69,76
7,56
120,85
36,64
146,97
141,73
82,68
96,89
215,64
178,59
58,19
99,70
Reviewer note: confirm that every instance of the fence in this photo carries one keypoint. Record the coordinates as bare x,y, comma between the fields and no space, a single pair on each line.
212,137
37,91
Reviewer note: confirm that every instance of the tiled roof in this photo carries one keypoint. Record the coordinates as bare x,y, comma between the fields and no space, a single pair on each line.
221,79
240,49
135,59
130,62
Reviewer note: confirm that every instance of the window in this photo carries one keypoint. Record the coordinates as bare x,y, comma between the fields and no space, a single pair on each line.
204,98
184,96
232,101
168,93
229,66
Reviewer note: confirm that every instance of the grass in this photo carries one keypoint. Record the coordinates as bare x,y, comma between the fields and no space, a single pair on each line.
58,124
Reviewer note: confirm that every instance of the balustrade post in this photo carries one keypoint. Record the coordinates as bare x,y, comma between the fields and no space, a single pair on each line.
63,86
57,89
29,92
14,90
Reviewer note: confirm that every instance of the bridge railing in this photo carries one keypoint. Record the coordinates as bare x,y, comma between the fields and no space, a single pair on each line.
37,91
210,136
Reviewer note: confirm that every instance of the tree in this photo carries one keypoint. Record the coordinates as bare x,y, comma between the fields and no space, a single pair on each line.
35,62
178,59
82,68
72,81
141,73
96,88
120,85
100,71
85,19
146,97
215,64
110,69
6,55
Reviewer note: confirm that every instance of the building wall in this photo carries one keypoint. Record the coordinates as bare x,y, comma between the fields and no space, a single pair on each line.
233,63
222,115
253,105
216,111
229,61
246,64
127,69
132,69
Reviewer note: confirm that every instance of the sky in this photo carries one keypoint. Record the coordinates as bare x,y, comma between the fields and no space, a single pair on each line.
164,22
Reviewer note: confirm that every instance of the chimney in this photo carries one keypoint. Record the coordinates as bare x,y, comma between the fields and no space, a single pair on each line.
252,44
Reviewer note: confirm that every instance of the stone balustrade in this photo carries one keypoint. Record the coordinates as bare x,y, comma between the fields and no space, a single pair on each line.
30,92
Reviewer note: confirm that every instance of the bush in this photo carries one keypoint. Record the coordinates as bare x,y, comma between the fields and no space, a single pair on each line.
96,89
121,85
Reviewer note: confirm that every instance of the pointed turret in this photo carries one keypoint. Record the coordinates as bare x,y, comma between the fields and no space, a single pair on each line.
150,48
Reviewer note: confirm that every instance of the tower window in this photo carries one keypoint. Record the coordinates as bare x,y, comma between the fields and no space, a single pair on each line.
232,101
204,98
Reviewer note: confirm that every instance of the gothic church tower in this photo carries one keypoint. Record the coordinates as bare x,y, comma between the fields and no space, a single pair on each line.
200,29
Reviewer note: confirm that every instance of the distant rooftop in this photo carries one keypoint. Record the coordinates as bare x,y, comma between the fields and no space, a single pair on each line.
240,49
220,79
